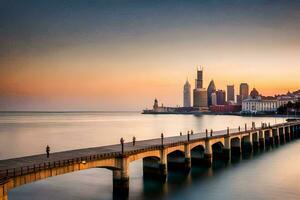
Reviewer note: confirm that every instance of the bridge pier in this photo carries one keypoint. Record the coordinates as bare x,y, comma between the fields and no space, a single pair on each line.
262,141
247,145
121,178
208,153
227,150
292,132
287,134
271,138
276,136
255,141
281,135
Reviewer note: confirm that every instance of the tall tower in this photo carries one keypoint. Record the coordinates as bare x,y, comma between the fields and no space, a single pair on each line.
244,90
199,80
230,93
187,94
211,89
199,93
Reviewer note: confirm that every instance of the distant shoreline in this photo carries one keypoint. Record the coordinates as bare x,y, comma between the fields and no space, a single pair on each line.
69,111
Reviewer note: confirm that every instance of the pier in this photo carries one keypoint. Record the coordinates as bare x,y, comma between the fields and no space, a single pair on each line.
160,155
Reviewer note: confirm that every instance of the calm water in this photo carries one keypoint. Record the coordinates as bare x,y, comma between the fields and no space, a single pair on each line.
271,175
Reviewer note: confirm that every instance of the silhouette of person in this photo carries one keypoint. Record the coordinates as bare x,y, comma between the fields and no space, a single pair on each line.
48,151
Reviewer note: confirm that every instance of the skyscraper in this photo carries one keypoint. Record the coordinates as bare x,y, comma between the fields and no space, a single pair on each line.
244,91
200,98
221,97
211,89
213,99
199,93
199,80
187,94
230,93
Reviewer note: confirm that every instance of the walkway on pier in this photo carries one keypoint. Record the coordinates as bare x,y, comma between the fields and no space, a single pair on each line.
105,151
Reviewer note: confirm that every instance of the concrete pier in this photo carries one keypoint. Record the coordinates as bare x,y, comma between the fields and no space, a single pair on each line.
158,155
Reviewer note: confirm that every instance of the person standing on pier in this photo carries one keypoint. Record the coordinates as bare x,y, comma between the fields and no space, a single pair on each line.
133,141
48,151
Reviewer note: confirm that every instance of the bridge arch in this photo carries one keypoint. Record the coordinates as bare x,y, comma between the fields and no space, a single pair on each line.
197,155
176,160
217,150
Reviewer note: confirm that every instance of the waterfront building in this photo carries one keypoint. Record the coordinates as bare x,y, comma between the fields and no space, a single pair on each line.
257,103
221,97
210,90
213,99
230,93
228,108
244,91
187,94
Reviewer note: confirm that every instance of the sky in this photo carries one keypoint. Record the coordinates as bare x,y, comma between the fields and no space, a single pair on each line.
63,55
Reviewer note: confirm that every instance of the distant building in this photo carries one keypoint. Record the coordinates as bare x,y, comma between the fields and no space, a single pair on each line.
199,80
230,108
230,93
200,98
221,97
244,91
199,93
239,99
213,99
211,89
187,94
257,103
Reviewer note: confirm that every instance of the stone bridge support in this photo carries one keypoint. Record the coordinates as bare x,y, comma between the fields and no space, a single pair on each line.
255,140
287,134
208,153
292,132
121,176
227,149
281,133
271,137
276,136
247,144
262,141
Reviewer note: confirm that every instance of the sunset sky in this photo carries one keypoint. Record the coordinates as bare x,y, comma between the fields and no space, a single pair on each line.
120,55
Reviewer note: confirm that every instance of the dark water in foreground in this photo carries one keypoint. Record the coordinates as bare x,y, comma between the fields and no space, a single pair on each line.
273,174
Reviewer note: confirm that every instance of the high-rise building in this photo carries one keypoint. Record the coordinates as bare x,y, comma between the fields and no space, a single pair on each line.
199,80
213,99
200,98
211,89
244,91
187,94
221,97
199,93
230,93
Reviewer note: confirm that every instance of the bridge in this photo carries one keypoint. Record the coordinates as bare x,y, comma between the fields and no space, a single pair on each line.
178,153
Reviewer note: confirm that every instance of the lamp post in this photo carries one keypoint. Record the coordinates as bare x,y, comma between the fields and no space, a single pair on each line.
162,139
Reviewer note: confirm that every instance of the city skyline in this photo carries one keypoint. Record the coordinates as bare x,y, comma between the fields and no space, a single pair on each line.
121,55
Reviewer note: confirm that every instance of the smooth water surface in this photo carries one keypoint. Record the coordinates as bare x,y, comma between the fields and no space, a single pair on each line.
270,175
